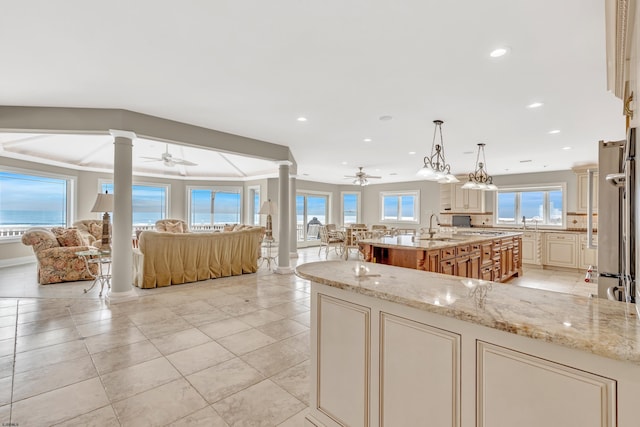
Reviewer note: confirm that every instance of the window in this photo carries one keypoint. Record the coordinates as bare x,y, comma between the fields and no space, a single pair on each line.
542,205
28,200
148,202
218,205
254,204
312,211
350,208
400,206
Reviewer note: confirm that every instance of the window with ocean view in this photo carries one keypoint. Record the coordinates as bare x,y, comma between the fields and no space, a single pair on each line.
149,202
541,205
33,201
350,208
400,206
211,206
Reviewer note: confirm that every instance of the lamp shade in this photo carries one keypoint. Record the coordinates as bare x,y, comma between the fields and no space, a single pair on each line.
268,208
104,203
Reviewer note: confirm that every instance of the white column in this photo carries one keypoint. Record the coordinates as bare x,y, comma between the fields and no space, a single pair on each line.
293,242
284,225
122,252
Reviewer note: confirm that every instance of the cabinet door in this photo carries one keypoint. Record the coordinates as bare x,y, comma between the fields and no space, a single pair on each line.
474,266
486,273
475,200
587,256
561,250
419,374
463,200
517,389
582,192
432,262
462,266
448,267
344,355
530,248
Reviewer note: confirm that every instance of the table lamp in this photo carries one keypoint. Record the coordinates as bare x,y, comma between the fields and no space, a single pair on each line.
104,203
269,208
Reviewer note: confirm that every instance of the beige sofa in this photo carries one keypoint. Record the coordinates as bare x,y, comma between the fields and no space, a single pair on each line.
164,259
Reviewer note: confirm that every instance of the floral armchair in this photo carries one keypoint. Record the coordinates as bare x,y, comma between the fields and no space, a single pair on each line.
90,231
55,251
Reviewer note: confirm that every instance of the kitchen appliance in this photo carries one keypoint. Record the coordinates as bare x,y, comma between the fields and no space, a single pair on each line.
462,221
617,219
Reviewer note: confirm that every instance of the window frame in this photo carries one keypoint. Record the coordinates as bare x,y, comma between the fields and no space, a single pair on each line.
167,188
358,195
519,189
71,196
416,206
252,209
237,189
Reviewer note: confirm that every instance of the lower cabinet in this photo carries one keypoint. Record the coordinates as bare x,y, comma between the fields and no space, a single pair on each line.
530,250
560,250
377,363
587,257
516,389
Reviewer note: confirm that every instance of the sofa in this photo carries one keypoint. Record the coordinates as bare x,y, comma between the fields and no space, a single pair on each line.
55,251
164,259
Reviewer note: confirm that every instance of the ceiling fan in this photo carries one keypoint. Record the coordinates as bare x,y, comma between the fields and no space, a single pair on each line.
361,177
168,160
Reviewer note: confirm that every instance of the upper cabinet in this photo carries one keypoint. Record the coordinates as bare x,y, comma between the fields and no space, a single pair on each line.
461,199
583,178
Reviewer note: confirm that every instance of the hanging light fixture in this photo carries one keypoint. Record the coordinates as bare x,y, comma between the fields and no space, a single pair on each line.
435,166
361,181
480,179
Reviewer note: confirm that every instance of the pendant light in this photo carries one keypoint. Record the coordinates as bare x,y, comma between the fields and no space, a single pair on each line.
480,179
435,166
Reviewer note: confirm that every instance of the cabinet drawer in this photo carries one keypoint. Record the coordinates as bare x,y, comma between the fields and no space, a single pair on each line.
447,253
476,247
560,236
463,250
507,242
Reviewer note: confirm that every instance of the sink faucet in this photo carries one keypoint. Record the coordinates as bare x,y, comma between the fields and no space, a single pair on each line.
431,230
524,222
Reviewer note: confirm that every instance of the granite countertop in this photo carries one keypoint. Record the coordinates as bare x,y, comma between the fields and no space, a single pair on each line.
599,326
461,238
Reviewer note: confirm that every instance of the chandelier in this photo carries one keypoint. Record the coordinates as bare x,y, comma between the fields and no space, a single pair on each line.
480,179
435,166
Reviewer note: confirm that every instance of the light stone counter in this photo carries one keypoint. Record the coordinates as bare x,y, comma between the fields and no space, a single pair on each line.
601,327
414,242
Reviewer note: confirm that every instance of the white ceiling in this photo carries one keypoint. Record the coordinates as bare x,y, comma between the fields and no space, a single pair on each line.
253,67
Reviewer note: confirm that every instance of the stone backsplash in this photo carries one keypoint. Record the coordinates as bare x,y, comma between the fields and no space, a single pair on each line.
575,221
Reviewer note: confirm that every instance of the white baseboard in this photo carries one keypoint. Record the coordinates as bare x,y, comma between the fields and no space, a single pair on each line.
9,262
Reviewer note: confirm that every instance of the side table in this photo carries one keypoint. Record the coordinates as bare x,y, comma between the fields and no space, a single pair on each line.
269,252
104,268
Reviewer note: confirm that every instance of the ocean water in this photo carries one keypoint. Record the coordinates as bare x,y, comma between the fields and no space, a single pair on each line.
31,217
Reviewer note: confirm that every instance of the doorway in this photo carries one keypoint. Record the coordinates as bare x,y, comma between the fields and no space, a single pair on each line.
312,211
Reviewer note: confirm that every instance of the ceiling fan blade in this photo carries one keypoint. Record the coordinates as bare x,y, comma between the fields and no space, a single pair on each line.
371,176
152,159
184,162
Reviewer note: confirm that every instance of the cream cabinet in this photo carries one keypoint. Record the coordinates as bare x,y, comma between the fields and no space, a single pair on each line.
587,256
463,200
560,250
531,248
517,389
582,178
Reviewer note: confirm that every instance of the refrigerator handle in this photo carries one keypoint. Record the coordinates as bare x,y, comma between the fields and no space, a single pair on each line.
590,244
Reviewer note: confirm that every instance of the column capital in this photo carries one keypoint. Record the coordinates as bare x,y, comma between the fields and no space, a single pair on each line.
283,163
116,133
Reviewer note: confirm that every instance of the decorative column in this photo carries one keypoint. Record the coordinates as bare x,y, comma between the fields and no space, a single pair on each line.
284,224
293,242
122,250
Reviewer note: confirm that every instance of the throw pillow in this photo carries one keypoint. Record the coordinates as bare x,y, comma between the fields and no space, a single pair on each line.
67,236
96,230
173,227
228,227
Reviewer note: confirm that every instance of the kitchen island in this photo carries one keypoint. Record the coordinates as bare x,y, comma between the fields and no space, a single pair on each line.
398,347
486,255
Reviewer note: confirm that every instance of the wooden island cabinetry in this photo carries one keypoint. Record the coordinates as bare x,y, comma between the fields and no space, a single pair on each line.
475,256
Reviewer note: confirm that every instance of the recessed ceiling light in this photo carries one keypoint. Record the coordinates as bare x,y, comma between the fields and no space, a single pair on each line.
535,105
525,161
468,152
553,132
367,140
412,153
566,148
385,118
305,174
393,173
497,53
302,119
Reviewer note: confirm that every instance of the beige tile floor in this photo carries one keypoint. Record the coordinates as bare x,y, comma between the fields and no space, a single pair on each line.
224,352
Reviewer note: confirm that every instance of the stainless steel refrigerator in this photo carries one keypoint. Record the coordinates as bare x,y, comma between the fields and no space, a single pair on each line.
617,219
